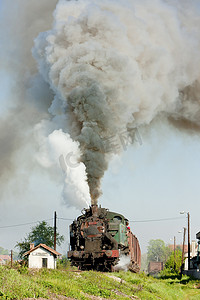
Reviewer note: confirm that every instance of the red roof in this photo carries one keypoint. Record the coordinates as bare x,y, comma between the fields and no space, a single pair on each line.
5,257
43,246
171,246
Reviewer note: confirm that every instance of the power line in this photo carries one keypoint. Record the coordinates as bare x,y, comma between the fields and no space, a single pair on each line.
65,219
24,224
140,221
156,220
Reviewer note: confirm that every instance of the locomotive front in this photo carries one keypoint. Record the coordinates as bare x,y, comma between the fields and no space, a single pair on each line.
92,245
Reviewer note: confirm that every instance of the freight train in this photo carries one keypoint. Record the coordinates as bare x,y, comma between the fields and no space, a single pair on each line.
99,237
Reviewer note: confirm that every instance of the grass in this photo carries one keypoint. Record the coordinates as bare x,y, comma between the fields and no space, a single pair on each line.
23,283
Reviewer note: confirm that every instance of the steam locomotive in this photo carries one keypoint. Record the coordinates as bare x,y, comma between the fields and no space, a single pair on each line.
99,237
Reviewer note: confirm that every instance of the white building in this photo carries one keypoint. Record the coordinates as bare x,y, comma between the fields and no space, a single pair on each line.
194,260
193,253
42,256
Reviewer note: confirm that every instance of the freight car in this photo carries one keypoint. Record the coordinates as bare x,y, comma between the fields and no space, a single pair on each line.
99,237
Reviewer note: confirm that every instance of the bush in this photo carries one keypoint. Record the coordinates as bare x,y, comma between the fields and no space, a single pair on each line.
63,263
174,266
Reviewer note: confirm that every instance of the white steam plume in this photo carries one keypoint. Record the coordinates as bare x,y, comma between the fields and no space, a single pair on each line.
123,264
116,65
57,150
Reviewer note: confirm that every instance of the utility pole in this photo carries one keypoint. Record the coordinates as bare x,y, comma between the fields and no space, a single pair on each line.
183,250
188,215
55,216
11,256
174,253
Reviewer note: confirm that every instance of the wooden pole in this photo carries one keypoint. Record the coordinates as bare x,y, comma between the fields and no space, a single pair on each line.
188,215
174,253
183,250
55,216
11,255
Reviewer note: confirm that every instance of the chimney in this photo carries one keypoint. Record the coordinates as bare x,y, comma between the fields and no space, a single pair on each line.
31,246
94,208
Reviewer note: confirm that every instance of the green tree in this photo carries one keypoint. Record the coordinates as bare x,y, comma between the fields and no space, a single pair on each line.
169,265
41,233
157,251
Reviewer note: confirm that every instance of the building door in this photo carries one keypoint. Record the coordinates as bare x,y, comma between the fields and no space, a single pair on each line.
44,262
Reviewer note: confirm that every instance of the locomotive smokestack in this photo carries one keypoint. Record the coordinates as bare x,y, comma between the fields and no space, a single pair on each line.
94,208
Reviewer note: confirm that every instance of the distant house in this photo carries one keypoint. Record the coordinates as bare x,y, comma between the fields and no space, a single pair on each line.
155,267
171,247
4,259
42,256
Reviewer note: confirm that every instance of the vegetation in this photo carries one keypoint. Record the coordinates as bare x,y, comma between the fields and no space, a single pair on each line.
41,233
174,265
63,263
158,251
23,283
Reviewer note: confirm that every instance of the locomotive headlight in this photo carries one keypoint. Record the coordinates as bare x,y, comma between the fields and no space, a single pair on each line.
82,247
75,253
108,253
